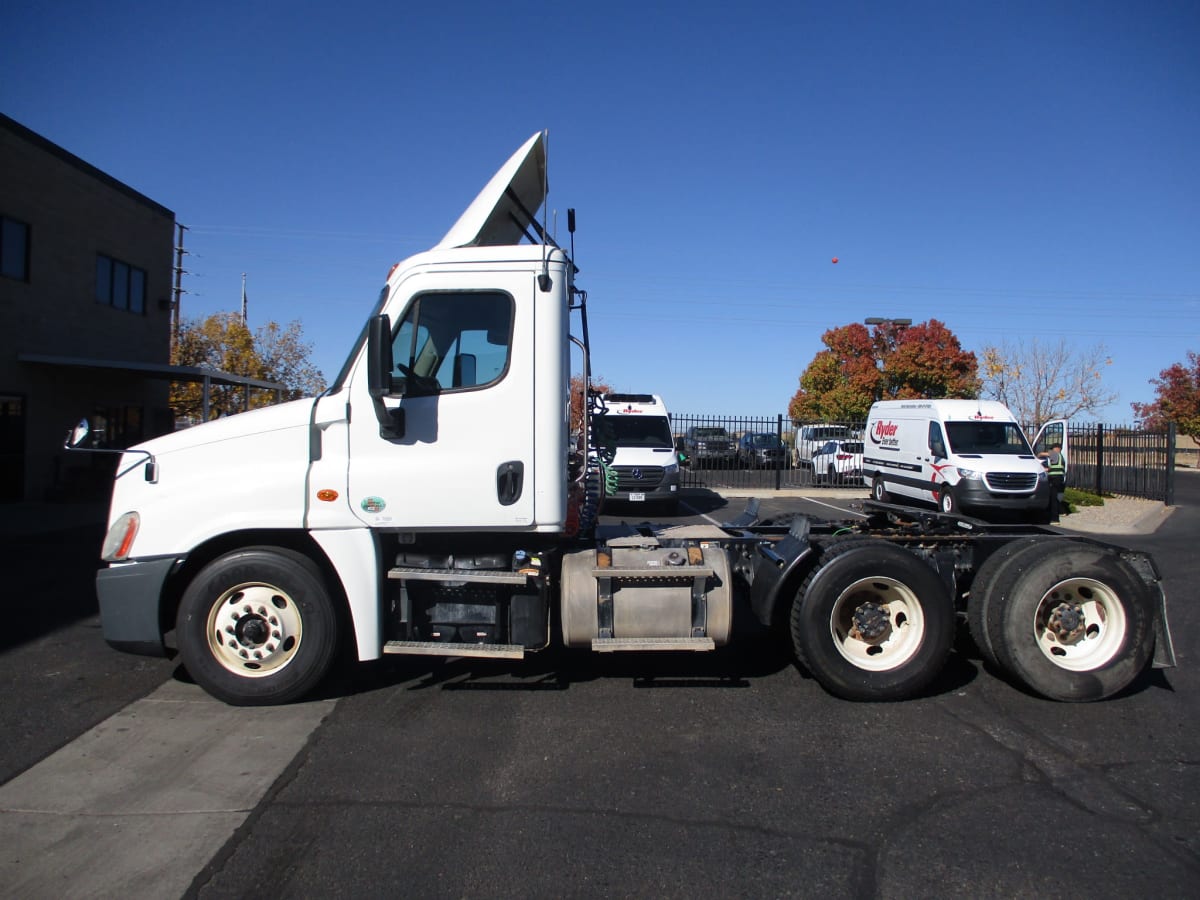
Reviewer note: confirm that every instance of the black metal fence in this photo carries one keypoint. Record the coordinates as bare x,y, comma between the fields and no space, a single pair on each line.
774,453
1116,459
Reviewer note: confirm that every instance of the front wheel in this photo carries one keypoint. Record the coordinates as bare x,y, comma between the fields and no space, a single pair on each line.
1071,621
257,627
872,622
947,502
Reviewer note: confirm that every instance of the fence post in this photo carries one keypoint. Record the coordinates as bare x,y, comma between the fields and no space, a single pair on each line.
1170,493
779,438
1100,459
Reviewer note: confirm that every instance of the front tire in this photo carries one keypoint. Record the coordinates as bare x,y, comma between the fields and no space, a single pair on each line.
258,627
947,502
1071,621
872,622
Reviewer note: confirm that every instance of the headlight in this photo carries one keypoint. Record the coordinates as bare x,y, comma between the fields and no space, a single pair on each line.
1043,476
671,469
118,543
970,474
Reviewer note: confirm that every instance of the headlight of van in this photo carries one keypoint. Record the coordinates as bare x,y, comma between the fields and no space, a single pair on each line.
671,468
970,474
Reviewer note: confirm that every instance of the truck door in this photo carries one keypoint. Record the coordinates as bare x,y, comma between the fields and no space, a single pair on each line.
463,379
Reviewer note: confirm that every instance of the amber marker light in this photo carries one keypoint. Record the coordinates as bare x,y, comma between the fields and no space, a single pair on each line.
327,495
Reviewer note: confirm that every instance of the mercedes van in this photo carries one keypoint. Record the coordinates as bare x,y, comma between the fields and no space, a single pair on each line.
968,456
646,465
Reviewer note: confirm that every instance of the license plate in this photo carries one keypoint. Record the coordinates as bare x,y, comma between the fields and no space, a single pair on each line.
637,498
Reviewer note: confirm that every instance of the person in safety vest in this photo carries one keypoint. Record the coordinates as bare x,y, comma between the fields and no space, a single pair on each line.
1056,468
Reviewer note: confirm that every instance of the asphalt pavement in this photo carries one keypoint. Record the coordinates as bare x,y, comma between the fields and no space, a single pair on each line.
728,774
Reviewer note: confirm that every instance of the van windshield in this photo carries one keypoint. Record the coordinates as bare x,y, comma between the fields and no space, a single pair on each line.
1003,438
636,431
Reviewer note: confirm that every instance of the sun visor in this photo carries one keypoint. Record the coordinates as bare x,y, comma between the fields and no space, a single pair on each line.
507,206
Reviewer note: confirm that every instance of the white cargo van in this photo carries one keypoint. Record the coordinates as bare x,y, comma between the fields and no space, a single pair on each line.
645,464
964,455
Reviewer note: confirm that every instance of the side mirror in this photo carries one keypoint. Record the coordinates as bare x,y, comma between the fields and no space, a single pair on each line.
77,435
379,377
379,357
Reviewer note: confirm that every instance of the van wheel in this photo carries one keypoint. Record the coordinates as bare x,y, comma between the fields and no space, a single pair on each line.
879,491
947,502
872,622
257,627
1071,621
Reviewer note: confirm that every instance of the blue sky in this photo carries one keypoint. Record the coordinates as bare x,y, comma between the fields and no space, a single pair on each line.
1014,169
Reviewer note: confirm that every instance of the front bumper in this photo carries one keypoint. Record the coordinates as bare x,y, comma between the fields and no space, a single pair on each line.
130,595
974,494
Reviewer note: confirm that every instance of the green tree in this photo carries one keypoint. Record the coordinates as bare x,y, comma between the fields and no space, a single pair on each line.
859,366
1177,398
223,343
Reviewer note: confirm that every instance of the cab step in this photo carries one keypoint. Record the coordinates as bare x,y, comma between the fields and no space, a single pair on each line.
446,648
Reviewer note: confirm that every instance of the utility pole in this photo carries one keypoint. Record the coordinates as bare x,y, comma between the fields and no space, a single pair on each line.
179,291
244,319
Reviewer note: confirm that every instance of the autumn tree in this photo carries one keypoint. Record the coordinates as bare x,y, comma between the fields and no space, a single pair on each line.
859,366
577,407
1177,398
223,343
1040,381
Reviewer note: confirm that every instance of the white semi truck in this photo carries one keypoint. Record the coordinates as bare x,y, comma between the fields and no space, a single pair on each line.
432,502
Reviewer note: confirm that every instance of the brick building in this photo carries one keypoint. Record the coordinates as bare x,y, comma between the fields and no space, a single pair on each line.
86,266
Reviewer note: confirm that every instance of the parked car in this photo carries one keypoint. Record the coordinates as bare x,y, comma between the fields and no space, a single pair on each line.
839,462
811,438
761,450
708,444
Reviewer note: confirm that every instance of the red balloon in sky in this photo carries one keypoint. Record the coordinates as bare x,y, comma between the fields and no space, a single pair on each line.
835,260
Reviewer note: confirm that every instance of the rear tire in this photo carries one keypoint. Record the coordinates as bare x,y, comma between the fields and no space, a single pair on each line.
258,627
872,622
1071,621
987,590
879,491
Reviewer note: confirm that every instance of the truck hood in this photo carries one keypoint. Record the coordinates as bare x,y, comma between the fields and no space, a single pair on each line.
508,204
257,421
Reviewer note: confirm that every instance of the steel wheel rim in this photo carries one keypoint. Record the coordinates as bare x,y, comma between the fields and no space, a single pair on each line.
904,633
254,629
1099,635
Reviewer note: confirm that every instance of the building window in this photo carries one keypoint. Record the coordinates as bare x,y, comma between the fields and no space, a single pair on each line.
14,249
120,285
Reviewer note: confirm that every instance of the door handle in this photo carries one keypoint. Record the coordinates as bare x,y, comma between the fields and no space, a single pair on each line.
510,478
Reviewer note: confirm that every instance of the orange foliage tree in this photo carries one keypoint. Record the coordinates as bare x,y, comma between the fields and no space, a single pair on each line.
887,362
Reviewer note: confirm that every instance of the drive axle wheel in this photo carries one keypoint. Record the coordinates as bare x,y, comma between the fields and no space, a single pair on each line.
1071,620
872,622
257,626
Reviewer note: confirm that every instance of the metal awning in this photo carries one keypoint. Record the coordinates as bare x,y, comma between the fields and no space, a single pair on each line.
154,370
198,374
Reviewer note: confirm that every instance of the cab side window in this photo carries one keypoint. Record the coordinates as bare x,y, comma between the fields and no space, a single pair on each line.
456,340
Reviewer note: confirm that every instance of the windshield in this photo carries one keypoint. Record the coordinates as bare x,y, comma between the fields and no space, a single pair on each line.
987,437
636,431
711,433
764,440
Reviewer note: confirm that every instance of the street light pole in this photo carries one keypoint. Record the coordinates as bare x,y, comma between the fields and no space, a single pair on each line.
875,320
